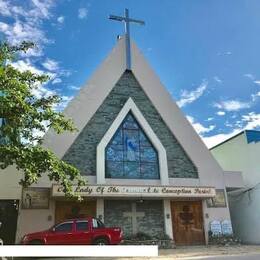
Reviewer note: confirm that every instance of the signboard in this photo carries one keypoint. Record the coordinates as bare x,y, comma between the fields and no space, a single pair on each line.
219,201
137,191
215,227
226,227
35,198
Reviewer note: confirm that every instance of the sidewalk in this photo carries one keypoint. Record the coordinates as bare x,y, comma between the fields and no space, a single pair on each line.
197,252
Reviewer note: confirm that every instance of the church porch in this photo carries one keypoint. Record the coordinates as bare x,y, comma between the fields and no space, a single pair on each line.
181,220
68,209
135,216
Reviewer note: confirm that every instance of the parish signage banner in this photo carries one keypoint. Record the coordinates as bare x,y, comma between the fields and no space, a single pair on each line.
215,227
226,227
137,191
35,198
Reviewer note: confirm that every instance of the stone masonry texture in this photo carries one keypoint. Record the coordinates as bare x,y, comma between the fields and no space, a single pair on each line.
152,223
82,152
114,215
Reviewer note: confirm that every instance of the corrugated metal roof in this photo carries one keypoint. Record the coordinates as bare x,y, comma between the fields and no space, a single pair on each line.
252,136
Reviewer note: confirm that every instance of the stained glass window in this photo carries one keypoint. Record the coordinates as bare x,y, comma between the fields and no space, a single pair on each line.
130,154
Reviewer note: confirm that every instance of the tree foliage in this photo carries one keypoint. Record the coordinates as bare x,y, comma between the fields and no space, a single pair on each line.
26,114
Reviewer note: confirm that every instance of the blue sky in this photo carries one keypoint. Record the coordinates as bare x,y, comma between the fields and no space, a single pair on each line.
206,53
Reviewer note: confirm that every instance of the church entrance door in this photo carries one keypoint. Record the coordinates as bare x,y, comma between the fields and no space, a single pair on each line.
72,209
187,221
8,217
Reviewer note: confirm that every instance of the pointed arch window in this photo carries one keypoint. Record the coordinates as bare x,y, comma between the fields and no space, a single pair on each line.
130,154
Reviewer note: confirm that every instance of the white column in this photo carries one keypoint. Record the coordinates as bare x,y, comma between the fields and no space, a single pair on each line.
100,209
168,217
206,220
100,165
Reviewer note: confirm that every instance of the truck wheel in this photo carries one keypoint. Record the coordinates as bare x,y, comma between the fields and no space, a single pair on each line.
101,241
36,242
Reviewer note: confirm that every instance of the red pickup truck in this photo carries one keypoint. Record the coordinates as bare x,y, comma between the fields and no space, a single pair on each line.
87,231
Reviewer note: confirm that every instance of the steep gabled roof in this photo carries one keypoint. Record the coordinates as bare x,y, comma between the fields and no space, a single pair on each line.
92,95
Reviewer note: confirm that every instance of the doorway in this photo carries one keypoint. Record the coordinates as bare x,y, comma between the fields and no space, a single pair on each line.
8,217
73,209
187,222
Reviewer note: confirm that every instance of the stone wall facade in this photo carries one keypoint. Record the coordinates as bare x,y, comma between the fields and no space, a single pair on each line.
114,215
151,223
82,152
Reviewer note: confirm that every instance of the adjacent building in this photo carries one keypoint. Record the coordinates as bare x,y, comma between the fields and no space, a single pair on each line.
241,153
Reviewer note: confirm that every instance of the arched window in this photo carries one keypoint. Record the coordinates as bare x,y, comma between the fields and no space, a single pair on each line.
130,154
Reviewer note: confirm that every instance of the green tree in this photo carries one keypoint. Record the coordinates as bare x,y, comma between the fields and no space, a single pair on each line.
24,114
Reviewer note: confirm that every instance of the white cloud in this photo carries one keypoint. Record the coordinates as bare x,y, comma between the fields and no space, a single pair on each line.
24,65
82,13
217,79
221,113
61,19
42,8
219,138
249,121
210,119
37,133
19,31
227,124
8,9
232,105
40,90
250,76
66,73
189,97
73,87
26,23
199,128
54,71
224,53
4,27
255,96
5,8
252,120
51,65
257,82
64,102
56,81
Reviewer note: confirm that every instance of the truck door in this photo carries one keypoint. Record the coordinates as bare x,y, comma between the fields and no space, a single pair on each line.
82,232
62,234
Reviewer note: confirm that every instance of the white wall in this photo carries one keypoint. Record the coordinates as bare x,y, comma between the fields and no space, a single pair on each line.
33,220
238,155
210,214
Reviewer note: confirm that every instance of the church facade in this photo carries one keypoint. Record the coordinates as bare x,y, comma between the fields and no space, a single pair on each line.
147,169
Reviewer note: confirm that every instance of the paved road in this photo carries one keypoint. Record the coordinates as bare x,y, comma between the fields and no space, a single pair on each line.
229,257
169,257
